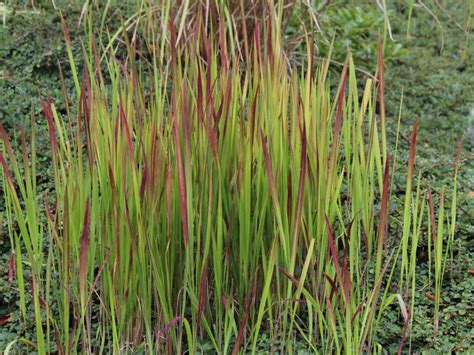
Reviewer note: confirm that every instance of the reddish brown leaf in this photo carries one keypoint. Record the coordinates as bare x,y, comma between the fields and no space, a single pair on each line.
411,159
245,318
182,185
430,296
84,248
299,206
258,50
5,319
121,65
124,121
289,277
359,308
144,176
335,257
340,103
345,261
224,299
50,120
168,199
186,121
333,287
6,142
202,296
330,310
65,31
199,102
170,324
6,171
253,114
405,329
268,165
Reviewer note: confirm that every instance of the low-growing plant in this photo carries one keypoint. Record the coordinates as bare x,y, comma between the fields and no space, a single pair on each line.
354,28
203,197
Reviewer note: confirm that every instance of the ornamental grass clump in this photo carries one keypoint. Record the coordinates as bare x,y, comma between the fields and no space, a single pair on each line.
204,194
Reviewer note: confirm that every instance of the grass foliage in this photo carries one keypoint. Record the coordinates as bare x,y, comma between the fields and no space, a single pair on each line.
210,194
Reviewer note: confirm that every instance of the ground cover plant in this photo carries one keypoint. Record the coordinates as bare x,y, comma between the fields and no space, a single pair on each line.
224,197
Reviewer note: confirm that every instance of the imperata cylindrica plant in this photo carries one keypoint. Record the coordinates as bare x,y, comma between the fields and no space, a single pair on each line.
206,191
